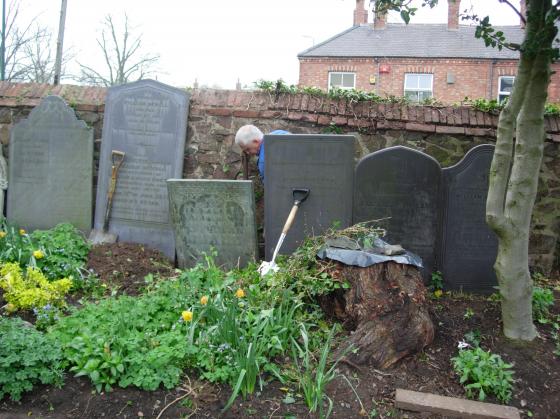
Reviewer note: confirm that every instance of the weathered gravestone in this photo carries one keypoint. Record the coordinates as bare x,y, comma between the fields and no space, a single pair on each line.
324,164
469,247
51,168
403,184
213,214
147,121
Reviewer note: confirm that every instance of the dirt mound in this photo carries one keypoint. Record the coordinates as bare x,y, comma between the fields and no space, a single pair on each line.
125,265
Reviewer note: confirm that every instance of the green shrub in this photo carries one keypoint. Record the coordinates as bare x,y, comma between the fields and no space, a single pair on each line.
484,373
26,358
66,251
543,299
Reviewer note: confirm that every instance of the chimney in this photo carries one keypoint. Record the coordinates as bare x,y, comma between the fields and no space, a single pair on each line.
522,12
360,13
453,14
380,21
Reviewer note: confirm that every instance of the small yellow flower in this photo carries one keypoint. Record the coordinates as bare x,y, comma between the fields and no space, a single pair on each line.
37,254
3,234
187,315
438,293
10,308
21,231
240,293
204,300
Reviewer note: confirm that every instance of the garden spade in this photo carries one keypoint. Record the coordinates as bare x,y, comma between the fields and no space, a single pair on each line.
103,236
299,196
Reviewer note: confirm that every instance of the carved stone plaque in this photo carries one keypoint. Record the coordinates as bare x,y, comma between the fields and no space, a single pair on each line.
51,168
324,164
212,215
147,121
469,247
401,185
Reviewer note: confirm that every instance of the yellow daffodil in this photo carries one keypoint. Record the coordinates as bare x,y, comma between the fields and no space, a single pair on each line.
187,315
438,293
37,254
21,231
3,234
240,293
204,300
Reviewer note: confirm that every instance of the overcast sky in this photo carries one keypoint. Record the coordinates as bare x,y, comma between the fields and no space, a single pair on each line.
219,41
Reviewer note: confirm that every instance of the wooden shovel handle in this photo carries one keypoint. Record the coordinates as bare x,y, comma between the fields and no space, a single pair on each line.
290,219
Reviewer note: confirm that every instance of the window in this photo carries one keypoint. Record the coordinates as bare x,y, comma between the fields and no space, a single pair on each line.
505,86
418,87
342,81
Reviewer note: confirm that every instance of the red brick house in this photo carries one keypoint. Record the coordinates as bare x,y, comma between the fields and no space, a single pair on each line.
443,61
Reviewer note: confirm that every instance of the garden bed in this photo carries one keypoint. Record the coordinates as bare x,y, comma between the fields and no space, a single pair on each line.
364,391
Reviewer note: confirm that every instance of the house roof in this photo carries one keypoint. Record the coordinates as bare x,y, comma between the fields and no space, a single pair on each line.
413,40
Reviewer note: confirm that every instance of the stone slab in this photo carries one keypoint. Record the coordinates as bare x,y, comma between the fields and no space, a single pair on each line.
452,406
213,214
324,164
468,247
51,168
401,185
147,121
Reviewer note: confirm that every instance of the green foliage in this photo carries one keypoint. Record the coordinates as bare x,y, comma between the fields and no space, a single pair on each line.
332,128
484,105
46,316
314,376
30,289
473,337
552,109
26,358
468,313
66,251
436,281
229,326
15,245
543,299
484,373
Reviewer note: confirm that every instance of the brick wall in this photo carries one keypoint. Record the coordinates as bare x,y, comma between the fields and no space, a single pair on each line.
472,77
446,133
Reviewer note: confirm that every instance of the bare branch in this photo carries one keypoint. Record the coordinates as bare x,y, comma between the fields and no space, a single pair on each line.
514,9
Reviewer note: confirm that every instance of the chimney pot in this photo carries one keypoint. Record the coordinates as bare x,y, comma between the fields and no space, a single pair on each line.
380,21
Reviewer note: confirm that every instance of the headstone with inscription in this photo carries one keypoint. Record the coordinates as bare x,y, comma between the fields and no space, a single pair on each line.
147,121
212,215
469,247
51,168
324,164
401,185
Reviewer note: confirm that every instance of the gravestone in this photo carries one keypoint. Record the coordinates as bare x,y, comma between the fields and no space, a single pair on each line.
468,247
403,184
324,164
213,214
147,121
51,168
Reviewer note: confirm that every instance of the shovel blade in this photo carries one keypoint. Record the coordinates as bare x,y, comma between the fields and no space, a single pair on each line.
101,237
268,268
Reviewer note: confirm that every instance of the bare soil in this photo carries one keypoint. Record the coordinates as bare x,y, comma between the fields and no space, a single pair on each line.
537,369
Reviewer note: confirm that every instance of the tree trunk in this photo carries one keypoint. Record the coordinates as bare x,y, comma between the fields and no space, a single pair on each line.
514,175
386,309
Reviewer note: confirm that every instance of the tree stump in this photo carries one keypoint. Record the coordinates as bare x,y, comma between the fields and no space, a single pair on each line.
386,309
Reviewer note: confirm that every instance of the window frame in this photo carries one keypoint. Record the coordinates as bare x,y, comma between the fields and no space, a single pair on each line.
503,92
419,89
330,87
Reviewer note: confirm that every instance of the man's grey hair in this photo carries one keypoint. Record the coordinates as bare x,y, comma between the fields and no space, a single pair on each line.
246,134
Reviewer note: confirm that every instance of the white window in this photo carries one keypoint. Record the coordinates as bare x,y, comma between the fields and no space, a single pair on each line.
505,86
418,87
342,80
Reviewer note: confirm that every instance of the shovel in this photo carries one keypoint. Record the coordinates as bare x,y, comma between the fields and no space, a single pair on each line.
103,236
299,195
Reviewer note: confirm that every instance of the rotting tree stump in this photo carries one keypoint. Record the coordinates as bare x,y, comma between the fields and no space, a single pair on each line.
386,310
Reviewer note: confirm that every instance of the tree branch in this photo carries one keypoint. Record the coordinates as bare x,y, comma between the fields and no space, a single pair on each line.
515,10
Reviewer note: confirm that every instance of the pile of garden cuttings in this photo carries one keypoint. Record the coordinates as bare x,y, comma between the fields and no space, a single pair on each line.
357,391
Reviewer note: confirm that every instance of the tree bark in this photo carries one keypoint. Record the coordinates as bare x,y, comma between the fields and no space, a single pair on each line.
386,310
514,175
